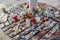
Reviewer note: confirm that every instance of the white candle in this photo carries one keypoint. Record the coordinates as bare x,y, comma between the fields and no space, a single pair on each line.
37,19
21,17
27,22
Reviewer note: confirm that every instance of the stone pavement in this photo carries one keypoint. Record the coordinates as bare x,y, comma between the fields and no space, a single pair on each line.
3,36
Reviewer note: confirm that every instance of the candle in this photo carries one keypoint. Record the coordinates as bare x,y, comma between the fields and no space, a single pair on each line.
20,28
15,18
21,17
44,19
33,20
27,22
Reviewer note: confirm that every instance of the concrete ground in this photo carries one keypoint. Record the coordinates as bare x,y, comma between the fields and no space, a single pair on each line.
55,3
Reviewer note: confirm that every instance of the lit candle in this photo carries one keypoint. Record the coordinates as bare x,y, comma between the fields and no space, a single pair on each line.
20,28
15,18
33,20
27,22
